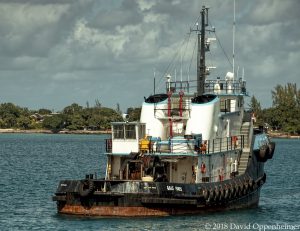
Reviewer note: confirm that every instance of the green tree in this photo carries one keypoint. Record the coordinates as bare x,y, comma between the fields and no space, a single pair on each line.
100,118
44,111
54,122
134,113
73,109
24,122
73,117
9,114
286,103
256,109
118,109
97,104
75,122
271,117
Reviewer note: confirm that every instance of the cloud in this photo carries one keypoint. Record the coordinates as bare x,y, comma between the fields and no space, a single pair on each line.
60,52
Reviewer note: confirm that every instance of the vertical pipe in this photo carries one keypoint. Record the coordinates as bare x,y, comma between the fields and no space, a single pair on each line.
127,171
233,39
169,113
154,84
180,102
201,55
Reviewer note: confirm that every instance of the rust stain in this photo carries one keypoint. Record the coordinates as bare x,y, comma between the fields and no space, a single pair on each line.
114,211
141,211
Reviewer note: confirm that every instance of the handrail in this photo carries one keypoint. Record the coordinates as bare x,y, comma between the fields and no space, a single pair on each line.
108,145
225,86
190,146
224,144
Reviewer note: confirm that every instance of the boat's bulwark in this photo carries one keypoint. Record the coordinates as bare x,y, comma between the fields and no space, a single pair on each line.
146,210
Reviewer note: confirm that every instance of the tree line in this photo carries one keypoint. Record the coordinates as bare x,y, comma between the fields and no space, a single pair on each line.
284,115
72,117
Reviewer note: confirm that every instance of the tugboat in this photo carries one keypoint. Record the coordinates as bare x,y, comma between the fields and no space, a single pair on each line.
190,152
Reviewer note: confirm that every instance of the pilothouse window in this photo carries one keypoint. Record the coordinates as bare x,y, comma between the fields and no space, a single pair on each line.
225,105
130,132
118,131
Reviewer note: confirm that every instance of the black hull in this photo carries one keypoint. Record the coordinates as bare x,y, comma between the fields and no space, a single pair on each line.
95,197
139,204
157,209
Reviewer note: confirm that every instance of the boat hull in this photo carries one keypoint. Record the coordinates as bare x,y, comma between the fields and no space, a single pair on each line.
123,198
249,201
142,205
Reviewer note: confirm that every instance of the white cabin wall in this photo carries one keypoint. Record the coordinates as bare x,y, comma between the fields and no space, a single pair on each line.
115,166
230,123
233,105
150,115
121,146
204,119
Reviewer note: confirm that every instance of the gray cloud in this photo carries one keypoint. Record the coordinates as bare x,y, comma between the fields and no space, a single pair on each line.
54,53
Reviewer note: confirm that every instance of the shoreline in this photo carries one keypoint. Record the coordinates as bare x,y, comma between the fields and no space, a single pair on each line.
44,131
87,132
283,136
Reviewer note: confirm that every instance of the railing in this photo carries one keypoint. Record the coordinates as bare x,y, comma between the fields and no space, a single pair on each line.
177,86
225,86
178,107
108,145
192,146
224,144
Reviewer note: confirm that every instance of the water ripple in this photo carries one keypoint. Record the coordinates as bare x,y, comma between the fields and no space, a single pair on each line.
31,166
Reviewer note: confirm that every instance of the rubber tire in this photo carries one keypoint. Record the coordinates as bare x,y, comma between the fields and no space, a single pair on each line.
86,188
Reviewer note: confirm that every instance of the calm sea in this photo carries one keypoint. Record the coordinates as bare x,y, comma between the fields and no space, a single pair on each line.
31,166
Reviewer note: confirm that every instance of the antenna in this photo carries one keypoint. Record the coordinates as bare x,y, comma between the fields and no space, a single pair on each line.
233,38
243,74
154,75
181,67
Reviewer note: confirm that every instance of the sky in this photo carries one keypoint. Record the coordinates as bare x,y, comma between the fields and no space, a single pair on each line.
57,52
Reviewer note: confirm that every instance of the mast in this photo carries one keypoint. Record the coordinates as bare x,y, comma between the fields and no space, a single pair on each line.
201,68
233,39
201,55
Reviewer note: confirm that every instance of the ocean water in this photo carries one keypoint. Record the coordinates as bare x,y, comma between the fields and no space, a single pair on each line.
31,166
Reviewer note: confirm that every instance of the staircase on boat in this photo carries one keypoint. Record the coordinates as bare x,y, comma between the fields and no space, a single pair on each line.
244,158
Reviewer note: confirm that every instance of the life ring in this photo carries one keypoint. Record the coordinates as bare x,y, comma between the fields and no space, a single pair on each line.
234,140
86,187
262,153
241,189
205,194
211,195
217,193
232,191
255,186
245,189
246,186
259,182
226,192
251,183
222,193
237,190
